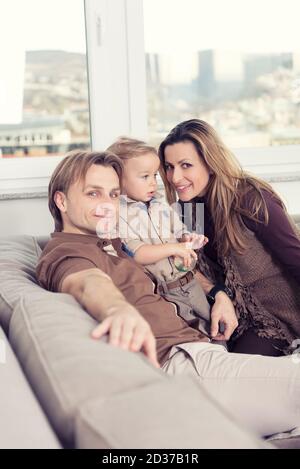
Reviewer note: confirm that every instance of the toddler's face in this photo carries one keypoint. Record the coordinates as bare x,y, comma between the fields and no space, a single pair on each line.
139,180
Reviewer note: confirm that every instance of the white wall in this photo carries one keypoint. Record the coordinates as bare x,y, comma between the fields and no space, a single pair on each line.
25,216
290,193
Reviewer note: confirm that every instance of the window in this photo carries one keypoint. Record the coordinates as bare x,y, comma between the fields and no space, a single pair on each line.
44,108
235,64
116,82
232,63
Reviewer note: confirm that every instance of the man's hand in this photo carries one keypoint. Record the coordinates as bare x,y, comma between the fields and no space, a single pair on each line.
100,297
223,313
128,330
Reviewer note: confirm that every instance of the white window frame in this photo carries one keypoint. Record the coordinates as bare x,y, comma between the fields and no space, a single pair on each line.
116,64
117,95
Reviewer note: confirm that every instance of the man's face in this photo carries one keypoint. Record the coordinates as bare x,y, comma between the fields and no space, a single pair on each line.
91,205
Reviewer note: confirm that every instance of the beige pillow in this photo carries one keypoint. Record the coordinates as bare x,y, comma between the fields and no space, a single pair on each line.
23,423
50,334
173,413
96,395
18,259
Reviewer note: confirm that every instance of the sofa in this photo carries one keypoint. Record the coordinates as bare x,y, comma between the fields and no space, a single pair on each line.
62,389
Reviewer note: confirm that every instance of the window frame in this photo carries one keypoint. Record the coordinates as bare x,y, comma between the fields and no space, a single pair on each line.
115,37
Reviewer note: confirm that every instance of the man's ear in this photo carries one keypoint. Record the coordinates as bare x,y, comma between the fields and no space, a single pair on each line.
61,201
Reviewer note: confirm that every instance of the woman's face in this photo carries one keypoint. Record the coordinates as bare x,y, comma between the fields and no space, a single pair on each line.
185,170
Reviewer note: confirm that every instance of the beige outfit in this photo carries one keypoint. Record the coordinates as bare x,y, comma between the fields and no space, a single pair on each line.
157,223
153,223
262,392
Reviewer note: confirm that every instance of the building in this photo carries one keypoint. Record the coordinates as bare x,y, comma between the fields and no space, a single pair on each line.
43,134
220,73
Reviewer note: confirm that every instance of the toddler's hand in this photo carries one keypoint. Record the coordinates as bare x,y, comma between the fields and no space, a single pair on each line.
186,254
198,240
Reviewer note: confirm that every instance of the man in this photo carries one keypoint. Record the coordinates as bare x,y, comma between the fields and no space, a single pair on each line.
83,199
263,392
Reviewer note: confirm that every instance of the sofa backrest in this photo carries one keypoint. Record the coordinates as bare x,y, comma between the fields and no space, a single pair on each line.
18,258
96,395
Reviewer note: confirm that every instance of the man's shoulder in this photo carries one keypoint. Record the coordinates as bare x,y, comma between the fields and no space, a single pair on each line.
64,246
62,255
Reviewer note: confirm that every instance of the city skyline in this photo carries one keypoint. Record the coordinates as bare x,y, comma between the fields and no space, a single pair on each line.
190,71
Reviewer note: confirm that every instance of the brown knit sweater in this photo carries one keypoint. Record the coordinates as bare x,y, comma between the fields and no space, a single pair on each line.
266,297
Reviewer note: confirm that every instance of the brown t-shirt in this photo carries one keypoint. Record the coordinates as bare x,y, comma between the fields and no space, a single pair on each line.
67,253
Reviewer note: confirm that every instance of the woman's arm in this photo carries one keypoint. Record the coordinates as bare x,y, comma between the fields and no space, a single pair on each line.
279,236
222,311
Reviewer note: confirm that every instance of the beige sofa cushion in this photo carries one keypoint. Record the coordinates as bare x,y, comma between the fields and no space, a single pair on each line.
23,423
174,413
70,372
50,334
18,259
99,396
286,440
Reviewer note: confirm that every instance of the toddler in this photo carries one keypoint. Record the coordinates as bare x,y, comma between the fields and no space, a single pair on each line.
154,236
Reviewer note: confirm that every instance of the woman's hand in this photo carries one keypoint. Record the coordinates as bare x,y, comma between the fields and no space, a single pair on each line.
128,330
223,313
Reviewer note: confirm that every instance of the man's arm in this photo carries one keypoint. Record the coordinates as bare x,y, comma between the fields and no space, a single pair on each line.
94,290
99,296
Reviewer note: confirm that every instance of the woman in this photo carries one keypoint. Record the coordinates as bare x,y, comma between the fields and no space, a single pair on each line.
254,248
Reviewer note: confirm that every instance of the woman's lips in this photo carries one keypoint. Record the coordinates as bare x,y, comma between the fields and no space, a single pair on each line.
183,188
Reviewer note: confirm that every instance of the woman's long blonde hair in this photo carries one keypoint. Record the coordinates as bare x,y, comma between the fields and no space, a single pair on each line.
227,188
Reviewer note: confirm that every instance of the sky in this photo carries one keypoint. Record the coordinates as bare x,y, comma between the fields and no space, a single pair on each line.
33,25
247,25
43,24
170,25
178,28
